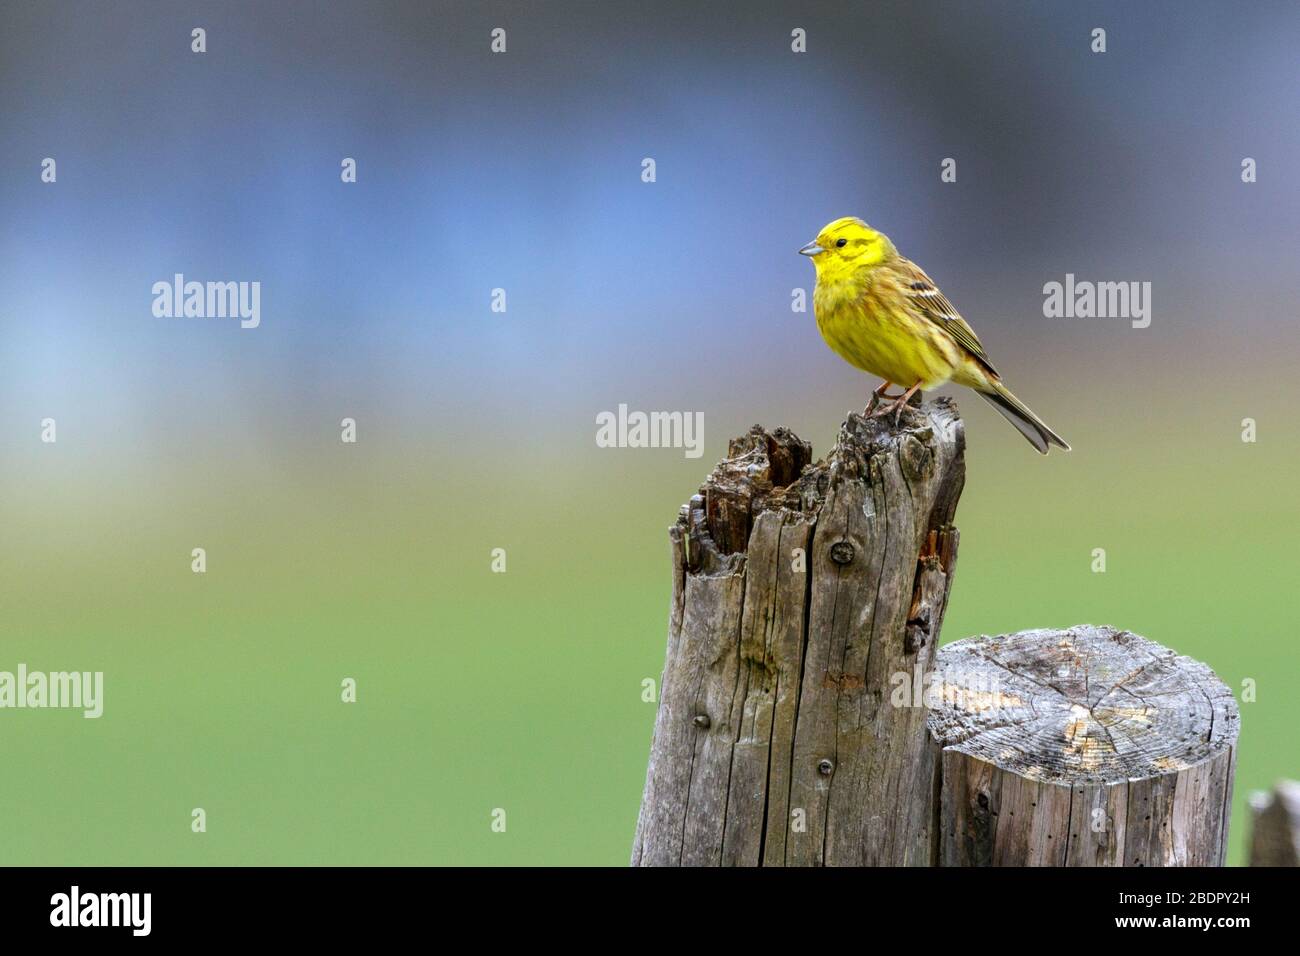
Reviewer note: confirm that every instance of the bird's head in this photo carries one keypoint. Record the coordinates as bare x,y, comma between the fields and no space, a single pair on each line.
847,245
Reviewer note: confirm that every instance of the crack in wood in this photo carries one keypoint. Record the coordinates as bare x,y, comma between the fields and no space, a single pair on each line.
815,639
1087,781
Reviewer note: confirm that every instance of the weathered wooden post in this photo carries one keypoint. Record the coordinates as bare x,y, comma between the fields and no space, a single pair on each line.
1275,826
1083,747
804,599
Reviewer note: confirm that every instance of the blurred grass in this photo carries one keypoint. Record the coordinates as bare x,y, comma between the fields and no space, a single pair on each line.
521,690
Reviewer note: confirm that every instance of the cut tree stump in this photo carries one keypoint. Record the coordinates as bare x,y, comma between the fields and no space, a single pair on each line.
803,598
1275,830
1083,747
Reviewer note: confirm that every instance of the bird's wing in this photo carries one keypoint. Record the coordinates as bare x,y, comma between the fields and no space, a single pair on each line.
934,305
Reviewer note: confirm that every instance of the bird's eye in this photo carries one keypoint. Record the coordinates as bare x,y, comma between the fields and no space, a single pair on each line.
841,243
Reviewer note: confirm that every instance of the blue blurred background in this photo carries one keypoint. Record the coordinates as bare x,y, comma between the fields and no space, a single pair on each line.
522,171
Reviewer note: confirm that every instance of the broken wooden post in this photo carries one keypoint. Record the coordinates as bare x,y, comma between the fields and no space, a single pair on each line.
1083,747
1275,826
805,598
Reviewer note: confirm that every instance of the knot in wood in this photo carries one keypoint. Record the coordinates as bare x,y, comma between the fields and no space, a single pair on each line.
796,656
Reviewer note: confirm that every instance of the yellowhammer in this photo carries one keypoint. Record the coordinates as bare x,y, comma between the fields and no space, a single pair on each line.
884,315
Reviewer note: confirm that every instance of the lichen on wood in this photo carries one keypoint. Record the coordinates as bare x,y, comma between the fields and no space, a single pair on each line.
1081,747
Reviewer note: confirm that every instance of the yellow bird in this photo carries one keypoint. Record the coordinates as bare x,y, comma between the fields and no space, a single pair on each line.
882,313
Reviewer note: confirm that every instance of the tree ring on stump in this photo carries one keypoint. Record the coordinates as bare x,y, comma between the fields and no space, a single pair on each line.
1107,748
1091,702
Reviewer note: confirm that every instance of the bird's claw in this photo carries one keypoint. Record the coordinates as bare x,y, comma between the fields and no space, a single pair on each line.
876,397
899,403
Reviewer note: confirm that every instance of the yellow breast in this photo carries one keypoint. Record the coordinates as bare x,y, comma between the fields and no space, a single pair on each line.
887,342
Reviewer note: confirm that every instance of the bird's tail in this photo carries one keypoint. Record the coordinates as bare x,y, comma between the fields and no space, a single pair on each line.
1017,413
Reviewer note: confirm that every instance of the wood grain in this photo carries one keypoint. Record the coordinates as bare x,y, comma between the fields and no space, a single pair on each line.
807,603
1082,747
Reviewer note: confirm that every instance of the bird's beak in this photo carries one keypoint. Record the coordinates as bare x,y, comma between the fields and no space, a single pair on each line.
811,249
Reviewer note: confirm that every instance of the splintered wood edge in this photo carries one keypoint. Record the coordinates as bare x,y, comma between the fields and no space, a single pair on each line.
1084,705
770,471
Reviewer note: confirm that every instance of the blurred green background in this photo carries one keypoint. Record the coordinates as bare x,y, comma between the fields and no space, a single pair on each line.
522,690
477,430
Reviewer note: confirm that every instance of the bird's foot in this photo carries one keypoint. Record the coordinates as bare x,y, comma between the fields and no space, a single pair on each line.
899,403
881,391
